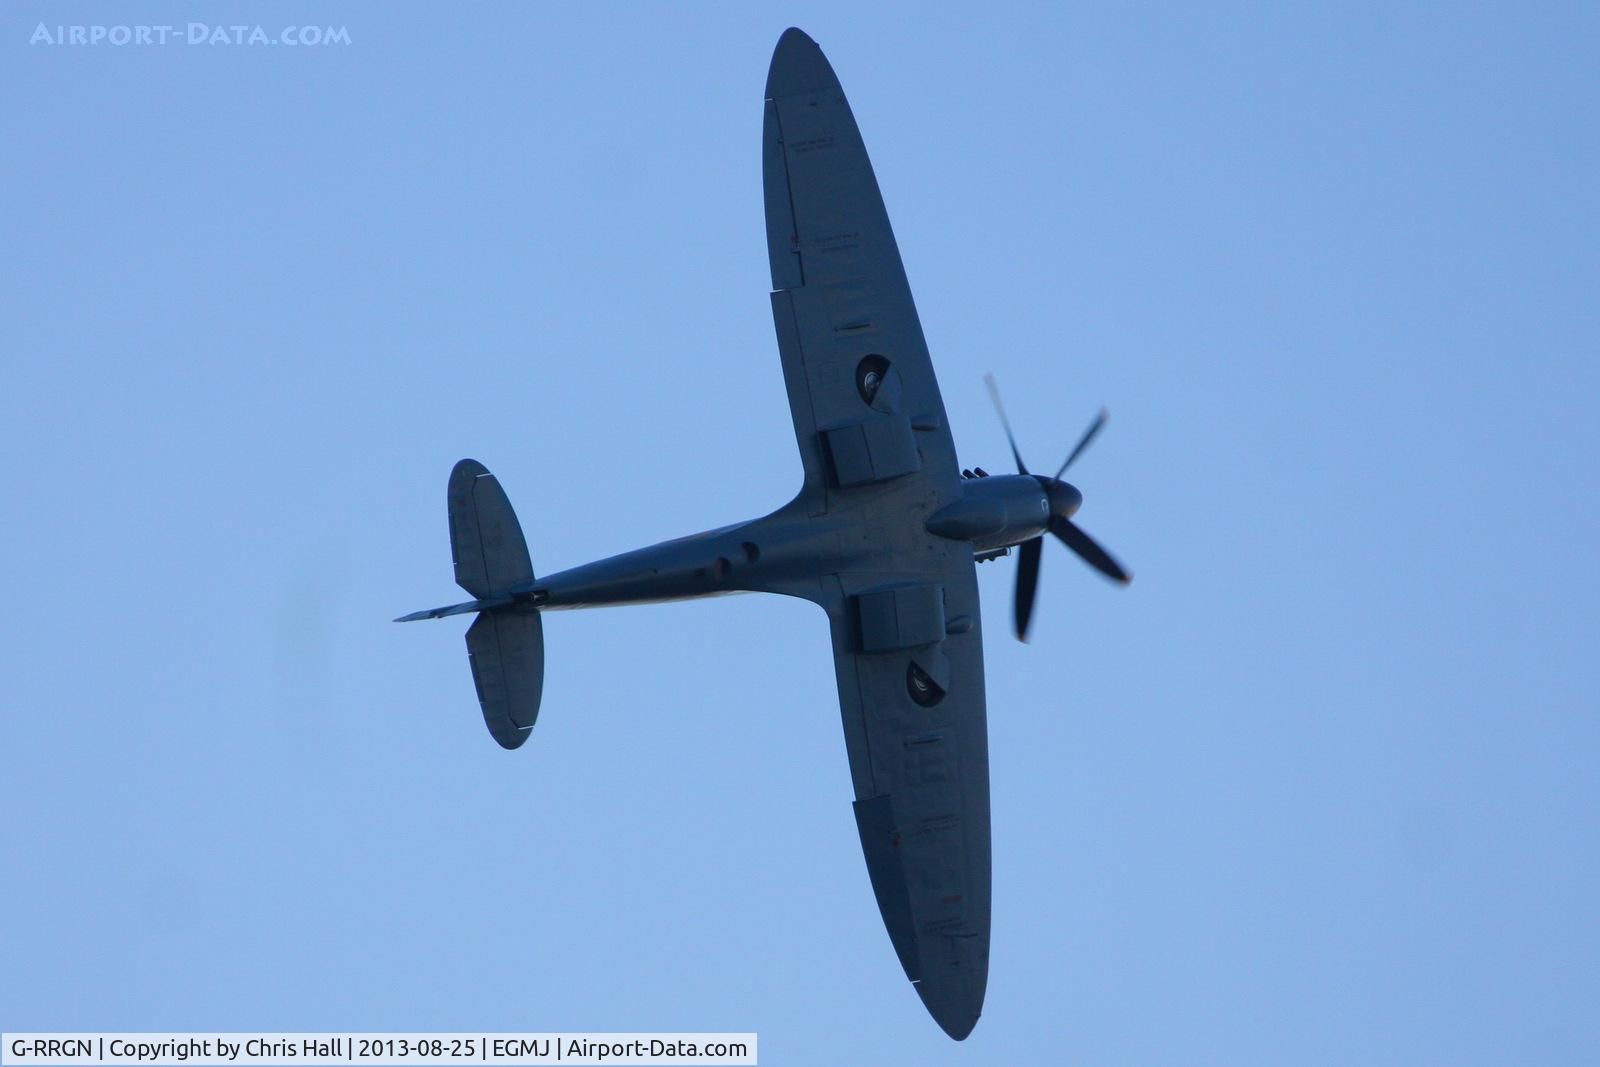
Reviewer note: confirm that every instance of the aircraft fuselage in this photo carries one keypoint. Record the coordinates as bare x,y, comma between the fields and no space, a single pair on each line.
785,551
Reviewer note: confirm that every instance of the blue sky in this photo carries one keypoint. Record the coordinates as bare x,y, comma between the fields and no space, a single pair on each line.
1320,787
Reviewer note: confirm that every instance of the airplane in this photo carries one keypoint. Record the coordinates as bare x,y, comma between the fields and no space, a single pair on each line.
884,536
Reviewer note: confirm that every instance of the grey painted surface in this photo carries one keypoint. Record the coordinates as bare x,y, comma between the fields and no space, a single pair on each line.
881,535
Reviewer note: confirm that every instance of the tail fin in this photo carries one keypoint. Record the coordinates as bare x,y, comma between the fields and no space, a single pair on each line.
457,609
506,643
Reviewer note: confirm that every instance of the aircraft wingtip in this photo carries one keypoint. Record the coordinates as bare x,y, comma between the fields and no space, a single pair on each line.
958,1028
954,1001
798,66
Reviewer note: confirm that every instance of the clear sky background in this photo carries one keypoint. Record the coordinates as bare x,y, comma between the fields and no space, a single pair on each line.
1320,787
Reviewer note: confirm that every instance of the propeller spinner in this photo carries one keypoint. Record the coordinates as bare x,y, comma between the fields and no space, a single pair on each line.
1064,501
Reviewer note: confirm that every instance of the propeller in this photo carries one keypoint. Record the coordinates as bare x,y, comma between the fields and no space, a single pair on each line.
1095,427
1088,549
1064,500
994,394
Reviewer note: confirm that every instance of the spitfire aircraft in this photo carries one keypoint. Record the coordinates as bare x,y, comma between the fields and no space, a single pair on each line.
884,536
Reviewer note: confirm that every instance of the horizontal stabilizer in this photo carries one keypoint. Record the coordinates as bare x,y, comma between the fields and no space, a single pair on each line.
507,653
505,643
491,556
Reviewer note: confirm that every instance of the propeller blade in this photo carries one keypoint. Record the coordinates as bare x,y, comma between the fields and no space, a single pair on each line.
1091,553
1027,583
994,394
1083,442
